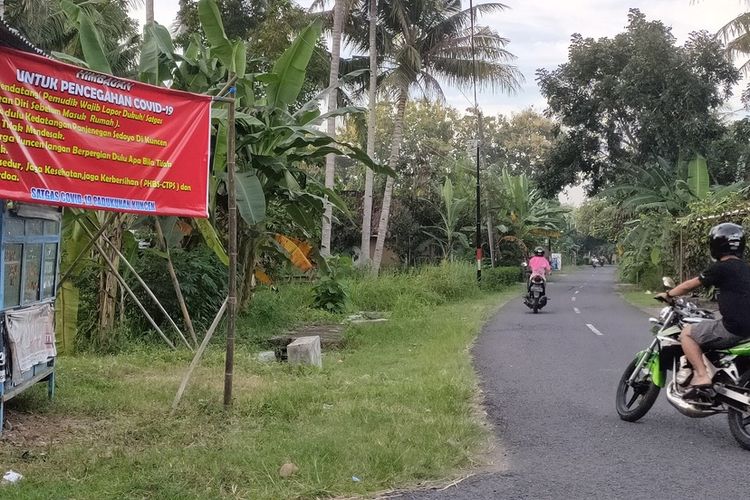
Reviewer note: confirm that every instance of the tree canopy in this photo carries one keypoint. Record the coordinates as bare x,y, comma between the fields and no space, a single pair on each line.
633,98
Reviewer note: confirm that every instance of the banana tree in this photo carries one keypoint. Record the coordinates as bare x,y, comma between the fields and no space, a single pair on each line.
448,236
524,214
275,146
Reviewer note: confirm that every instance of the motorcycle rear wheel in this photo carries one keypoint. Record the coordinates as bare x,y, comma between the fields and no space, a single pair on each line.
739,424
634,401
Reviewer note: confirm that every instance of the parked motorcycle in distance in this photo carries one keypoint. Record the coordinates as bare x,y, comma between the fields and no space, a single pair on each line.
647,373
536,297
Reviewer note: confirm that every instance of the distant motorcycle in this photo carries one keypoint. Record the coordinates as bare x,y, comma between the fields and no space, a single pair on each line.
536,298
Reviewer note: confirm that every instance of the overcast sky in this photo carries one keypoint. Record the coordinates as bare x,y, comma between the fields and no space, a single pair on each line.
539,33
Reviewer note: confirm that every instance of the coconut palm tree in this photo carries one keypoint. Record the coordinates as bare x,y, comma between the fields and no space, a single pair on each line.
427,40
46,26
149,11
371,121
339,13
736,34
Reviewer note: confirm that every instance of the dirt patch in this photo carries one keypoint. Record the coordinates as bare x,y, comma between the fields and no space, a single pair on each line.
33,430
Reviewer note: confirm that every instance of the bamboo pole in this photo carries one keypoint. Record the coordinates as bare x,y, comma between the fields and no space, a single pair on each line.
176,283
198,356
107,221
148,290
125,285
232,209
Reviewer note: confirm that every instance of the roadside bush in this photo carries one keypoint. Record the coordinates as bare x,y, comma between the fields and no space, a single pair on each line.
380,293
451,281
500,278
202,280
429,285
329,295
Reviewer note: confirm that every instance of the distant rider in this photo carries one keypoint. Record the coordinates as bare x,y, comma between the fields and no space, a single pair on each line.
731,276
539,264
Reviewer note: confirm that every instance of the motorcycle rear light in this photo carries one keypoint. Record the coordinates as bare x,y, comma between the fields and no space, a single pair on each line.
537,279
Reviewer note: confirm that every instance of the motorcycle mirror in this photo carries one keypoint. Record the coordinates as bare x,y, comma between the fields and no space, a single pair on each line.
668,282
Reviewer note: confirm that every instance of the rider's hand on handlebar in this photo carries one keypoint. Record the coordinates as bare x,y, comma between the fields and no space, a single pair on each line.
664,297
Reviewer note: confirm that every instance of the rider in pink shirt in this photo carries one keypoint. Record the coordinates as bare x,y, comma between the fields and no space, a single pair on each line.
538,264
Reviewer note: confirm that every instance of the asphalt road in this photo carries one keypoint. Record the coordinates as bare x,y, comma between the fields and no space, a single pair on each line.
549,384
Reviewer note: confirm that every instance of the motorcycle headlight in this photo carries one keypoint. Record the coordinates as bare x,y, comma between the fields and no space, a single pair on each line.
664,313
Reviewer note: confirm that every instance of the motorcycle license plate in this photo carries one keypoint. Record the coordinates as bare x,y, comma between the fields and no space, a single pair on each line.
537,288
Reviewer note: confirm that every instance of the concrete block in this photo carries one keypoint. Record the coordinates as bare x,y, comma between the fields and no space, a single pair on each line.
305,351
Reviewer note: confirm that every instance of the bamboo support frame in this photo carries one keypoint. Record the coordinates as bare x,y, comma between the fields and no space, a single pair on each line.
107,221
176,283
147,289
125,285
198,356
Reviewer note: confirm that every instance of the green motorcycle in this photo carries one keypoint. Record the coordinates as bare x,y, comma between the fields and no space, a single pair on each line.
644,377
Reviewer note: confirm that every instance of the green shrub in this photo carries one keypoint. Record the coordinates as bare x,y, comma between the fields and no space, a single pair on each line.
329,295
500,278
430,285
203,281
451,281
380,293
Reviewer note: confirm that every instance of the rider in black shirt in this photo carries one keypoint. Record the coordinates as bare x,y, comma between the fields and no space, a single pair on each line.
731,276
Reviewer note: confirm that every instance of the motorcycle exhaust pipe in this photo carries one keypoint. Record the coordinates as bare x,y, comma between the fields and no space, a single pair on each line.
686,408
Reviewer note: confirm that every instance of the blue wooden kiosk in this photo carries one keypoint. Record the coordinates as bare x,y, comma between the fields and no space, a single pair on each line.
29,262
29,271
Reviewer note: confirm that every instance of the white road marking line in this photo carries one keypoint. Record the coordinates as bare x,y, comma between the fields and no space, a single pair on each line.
577,292
573,299
578,311
593,329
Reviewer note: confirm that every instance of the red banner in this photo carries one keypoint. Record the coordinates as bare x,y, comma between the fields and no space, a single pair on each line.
74,137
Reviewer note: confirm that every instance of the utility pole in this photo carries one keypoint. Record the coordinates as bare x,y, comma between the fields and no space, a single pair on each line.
478,238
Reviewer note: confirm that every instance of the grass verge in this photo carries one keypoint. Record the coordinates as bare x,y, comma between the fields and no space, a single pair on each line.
392,409
642,299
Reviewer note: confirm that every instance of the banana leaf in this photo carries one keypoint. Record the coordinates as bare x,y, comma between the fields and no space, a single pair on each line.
292,66
212,239
251,201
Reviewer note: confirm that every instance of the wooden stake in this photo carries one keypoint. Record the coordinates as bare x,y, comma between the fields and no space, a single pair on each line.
198,356
232,209
176,283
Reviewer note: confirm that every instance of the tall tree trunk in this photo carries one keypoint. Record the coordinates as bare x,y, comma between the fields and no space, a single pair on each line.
338,23
385,212
149,11
364,258
2,9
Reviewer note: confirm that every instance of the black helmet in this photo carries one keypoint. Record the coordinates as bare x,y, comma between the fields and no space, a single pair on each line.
726,239
539,251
